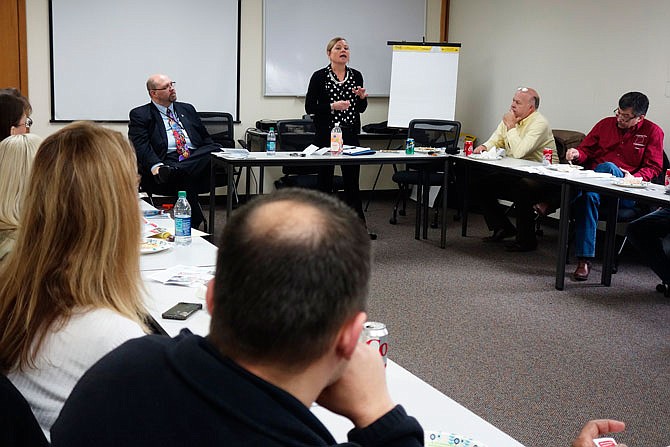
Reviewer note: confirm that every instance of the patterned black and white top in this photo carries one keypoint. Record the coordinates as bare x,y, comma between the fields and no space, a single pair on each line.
324,89
342,91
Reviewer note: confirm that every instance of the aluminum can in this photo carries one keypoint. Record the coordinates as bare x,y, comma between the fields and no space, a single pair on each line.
667,180
468,147
375,333
409,146
547,153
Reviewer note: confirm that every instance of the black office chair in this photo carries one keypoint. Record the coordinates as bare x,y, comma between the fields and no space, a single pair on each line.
18,426
639,210
426,133
624,215
295,136
219,125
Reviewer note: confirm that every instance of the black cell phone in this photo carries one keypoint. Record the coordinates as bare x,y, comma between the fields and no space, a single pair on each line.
181,311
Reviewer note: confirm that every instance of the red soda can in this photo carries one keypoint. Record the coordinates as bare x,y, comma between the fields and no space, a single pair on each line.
667,180
467,147
547,153
376,334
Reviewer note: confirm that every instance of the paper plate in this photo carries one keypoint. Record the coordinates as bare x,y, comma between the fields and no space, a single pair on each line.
482,156
564,168
152,245
624,184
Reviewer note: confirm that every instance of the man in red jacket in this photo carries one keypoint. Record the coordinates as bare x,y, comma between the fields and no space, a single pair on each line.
625,145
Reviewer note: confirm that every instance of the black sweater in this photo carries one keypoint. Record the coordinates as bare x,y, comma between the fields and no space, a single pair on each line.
159,391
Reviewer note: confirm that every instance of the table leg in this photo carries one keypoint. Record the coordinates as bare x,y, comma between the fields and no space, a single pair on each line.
465,183
261,179
563,225
212,195
426,203
612,204
419,207
248,184
443,214
229,199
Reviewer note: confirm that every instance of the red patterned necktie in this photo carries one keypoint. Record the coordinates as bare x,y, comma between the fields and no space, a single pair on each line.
179,137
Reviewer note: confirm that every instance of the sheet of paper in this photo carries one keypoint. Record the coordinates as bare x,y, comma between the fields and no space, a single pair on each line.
309,150
183,275
232,153
445,439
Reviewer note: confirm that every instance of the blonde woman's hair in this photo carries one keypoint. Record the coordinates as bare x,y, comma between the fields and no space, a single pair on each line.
332,42
16,161
78,248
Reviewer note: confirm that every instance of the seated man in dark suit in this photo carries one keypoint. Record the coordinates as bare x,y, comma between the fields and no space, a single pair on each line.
172,145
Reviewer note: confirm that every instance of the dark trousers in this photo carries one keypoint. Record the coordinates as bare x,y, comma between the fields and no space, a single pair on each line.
529,192
350,177
486,188
351,180
191,175
523,192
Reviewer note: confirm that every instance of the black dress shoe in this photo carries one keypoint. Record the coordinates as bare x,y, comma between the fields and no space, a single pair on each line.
164,174
519,248
664,289
499,234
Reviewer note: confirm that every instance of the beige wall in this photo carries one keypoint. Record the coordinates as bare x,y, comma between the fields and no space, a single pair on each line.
580,55
253,105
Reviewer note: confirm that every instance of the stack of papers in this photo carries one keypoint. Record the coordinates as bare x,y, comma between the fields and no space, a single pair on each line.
233,153
492,154
183,275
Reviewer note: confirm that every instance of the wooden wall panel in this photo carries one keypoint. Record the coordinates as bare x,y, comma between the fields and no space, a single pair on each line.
444,22
13,46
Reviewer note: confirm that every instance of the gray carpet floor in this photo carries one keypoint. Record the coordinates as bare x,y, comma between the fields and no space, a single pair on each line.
488,329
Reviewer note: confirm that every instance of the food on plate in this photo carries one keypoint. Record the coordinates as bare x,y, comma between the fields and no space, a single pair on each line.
633,181
149,245
163,235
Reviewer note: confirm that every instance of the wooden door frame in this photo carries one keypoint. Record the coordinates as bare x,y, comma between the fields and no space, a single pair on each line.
14,45
444,22
23,48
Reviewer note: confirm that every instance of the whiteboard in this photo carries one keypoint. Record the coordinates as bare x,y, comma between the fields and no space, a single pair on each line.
296,33
102,53
423,83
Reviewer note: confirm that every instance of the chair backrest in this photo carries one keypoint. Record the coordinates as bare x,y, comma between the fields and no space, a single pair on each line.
565,139
18,426
435,133
660,178
294,135
219,125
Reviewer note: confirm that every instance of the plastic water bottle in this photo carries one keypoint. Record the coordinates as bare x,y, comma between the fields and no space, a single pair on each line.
336,144
271,145
182,220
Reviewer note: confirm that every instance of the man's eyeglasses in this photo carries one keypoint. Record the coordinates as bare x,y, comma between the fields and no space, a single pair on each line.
623,116
170,85
27,124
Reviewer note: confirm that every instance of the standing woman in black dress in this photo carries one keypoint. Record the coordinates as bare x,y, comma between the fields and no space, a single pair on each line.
336,95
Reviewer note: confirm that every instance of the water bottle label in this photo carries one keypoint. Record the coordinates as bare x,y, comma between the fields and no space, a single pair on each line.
182,226
270,146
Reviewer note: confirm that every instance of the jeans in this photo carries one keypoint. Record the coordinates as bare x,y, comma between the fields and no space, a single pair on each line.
586,206
647,234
